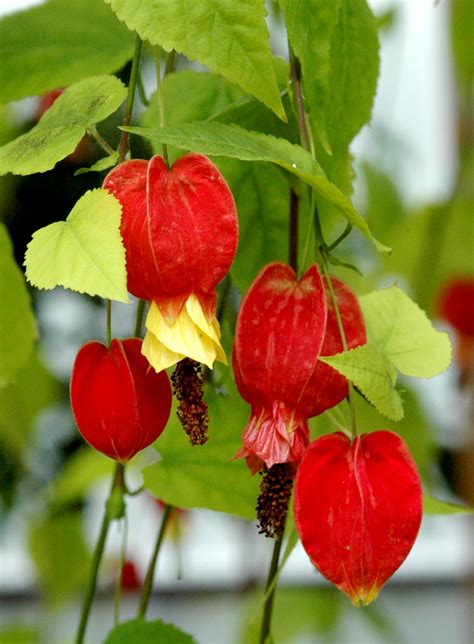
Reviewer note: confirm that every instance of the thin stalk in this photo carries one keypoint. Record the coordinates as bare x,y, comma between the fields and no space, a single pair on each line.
148,583
119,574
139,318
161,105
108,322
343,340
125,137
92,131
293,231
141,91
268,606
341,237
117,482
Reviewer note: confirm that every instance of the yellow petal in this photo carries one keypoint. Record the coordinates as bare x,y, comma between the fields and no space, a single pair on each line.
190,335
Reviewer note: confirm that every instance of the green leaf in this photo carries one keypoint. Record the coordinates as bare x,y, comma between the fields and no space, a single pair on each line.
233,141
403,333
84,253
100,165
57,44
431,505
17,322
83,469
231,38
372,373
262,195
205,476
59,553
137,630
354,71
18,634
20,402
310,24
384,208
62,126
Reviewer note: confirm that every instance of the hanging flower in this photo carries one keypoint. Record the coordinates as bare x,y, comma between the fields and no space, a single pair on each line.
179,228
120,406
283,326
455,304
358,509
278,337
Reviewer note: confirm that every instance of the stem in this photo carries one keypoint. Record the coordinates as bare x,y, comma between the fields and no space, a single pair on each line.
92,131
108,323
341,237
139,318
141,91
119,574
148,583
117,482
293,231
268,606
161,105
340,326
124,138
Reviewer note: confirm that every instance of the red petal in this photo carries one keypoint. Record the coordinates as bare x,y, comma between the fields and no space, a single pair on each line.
327,387
119,404
279,334
358,509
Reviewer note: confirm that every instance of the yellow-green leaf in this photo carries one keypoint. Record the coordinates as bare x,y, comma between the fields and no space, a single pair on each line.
84,253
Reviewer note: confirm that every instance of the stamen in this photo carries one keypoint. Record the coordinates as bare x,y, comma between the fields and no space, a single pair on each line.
192,412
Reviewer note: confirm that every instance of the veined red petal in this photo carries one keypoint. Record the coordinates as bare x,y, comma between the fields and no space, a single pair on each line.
456,305
279,334
326,387
358,509
120,405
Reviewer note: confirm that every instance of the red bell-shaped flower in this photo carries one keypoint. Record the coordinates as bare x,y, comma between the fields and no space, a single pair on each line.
120,405
278,337
358,508
455,304
283,326
179,228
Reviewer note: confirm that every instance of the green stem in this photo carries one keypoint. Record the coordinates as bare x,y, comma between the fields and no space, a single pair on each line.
117,483
148,583
340,326
108,323
268,606
119,574
141,91
341,237
92,131
160,102
124,138
139,318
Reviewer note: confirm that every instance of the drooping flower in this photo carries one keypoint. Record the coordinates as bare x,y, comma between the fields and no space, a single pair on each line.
455,304
179,228
120,405
358,509
283,326
278,337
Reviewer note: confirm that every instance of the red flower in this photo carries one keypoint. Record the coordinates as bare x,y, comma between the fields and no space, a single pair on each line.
179,227
130,578
283,326
456,305
119,404
278,337
358,509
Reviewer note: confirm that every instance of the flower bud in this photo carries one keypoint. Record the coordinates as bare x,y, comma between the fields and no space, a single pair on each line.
119,404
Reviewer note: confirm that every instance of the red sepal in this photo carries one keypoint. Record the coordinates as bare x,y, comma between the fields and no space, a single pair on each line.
120,405
358,509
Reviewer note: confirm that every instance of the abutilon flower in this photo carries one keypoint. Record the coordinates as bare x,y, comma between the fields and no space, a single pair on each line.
283,326
179,228
119,404
455,304
358,509
278,337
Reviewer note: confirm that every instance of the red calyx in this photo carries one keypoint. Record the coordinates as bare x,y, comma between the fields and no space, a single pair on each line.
358,509
120,405
179,228
130,581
